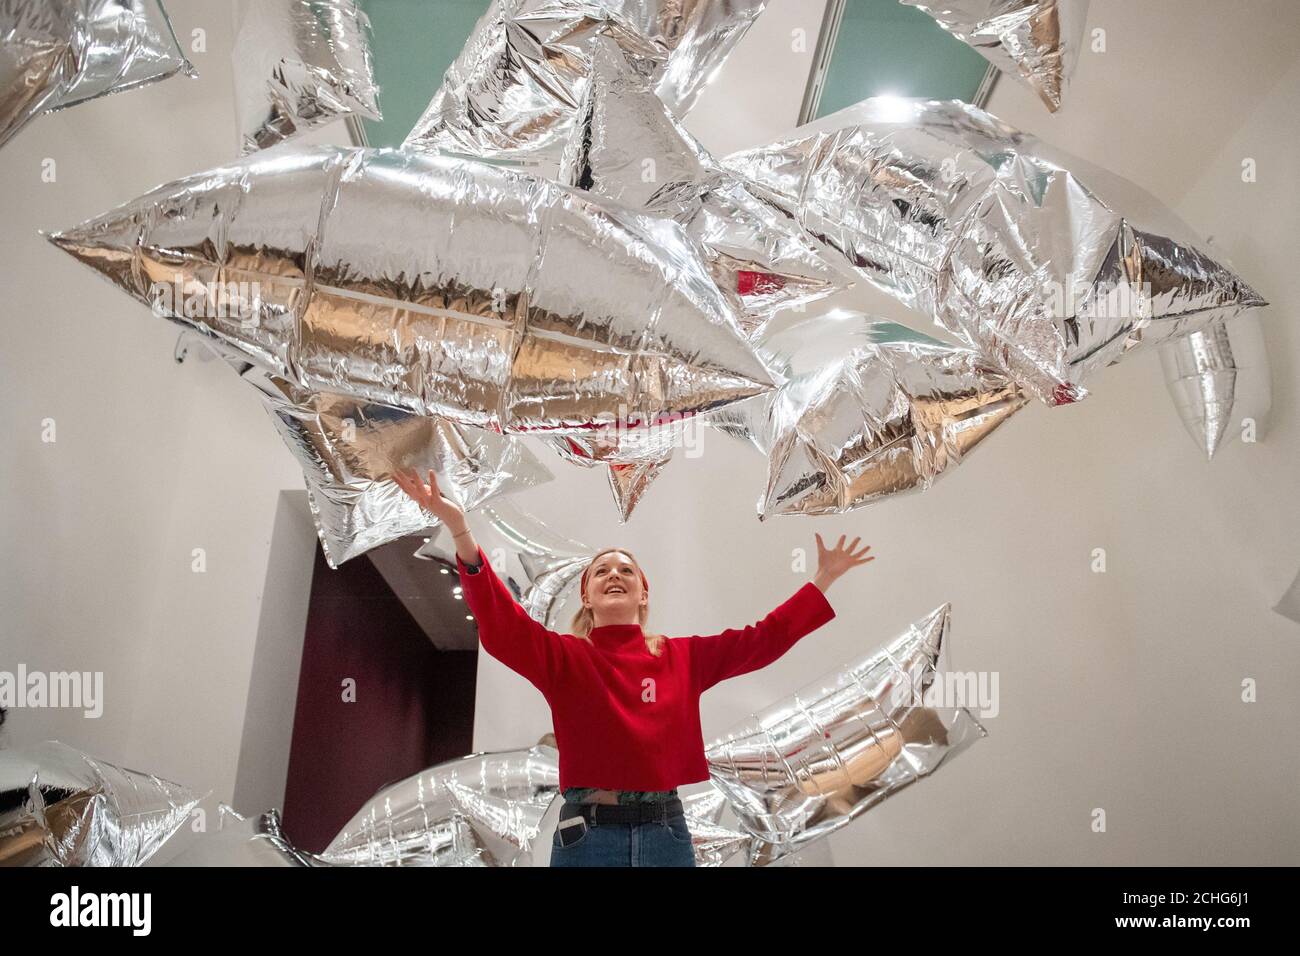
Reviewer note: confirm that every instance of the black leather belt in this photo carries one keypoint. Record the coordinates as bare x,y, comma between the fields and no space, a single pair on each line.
626,813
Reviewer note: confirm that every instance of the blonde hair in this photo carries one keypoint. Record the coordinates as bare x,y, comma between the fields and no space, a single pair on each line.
585,620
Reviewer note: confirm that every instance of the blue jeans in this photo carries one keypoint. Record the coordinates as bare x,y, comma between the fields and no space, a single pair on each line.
655,843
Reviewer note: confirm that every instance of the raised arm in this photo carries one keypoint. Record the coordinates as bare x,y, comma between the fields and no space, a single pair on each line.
505,629
738,651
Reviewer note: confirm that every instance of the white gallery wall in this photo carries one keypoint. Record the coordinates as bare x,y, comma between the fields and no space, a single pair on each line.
157,468
1119,691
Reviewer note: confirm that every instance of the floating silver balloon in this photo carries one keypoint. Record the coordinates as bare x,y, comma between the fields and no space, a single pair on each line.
552,564
442,287
811,343
1036,41
889,417
245,841
61,807
485,809
300,64
713,842
632,457
349,450
1219,380
514,89
818,759
629,148
1049,266
541,568
805,347
57,53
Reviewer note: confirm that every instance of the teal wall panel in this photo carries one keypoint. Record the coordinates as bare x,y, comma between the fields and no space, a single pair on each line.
414,43
885,47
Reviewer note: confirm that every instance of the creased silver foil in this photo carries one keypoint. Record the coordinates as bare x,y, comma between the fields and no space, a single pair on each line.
541,566
257,841
485,809
438,286
818,759
57,53
1049,266
632,457
300,64
64,808
1036,41
812,343
713,842
513,91
629,148
349,450
892,415
1219,378
490,810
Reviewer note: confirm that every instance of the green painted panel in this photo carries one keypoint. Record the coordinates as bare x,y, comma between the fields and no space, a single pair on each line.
414,43
884,47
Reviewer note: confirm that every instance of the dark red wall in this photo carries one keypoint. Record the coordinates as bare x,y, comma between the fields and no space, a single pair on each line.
414,704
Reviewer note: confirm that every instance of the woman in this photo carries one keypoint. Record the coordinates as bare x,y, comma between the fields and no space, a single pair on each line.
625,704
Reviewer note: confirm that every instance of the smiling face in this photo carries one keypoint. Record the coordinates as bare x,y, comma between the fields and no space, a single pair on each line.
614,591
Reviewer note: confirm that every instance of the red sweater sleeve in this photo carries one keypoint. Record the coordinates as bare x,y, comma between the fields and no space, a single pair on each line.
738,651
506,630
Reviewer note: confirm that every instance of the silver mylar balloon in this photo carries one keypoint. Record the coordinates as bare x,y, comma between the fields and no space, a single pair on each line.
514,89
57,53
888,417
1049,266
632,457
481,810
628,147
1035,40
525,548
60,807
810,344
552,565
714,844
442,287
814,761
807,346
245,841
349,450
1218,378
300,64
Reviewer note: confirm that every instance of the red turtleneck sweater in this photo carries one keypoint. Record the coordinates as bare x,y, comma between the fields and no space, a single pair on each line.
625,719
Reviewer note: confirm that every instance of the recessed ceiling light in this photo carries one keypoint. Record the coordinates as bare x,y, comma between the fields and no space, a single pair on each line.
469,617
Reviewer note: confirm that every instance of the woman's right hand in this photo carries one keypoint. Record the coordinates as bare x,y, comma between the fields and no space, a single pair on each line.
430,498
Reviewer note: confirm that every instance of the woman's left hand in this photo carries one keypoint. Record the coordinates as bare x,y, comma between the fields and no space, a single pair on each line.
832,562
